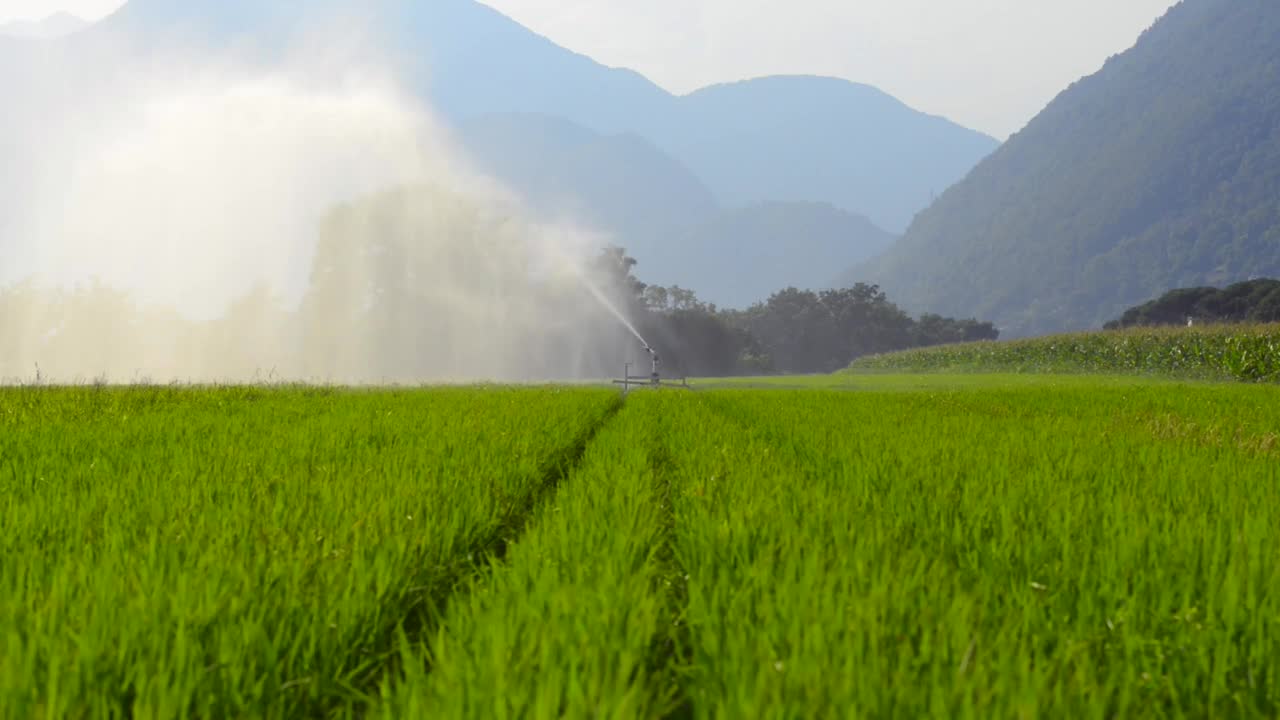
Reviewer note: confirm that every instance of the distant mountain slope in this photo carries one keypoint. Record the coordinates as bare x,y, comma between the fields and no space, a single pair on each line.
653,206
822,139
55,26
788,138
620,184
1160,171
743,256
468,58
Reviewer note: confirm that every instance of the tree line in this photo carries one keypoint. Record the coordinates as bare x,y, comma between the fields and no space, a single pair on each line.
794,331
1255,301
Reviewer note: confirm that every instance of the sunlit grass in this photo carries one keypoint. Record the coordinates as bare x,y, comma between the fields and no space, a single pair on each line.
240,552
1025,552
947,546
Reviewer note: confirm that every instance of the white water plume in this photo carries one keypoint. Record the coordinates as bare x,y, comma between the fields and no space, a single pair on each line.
612,308
197,218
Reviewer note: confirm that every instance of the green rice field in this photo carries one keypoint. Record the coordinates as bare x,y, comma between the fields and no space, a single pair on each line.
973,546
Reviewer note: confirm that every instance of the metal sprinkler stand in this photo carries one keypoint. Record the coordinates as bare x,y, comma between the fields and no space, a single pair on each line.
654,380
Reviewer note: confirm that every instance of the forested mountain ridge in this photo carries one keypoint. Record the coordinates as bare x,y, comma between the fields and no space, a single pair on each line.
1160,171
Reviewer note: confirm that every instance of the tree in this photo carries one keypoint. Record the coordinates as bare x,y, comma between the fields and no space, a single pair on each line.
1252,301
613,270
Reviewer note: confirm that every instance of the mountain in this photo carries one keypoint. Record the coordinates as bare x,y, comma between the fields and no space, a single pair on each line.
618,184
55,26
466,57
742,256
784,138
651,204
1160,171
821,139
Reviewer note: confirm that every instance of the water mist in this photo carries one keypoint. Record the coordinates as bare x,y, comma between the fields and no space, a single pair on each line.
194,217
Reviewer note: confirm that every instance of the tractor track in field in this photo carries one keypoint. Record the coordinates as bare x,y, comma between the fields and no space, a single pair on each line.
424,614
670,654
554,473
674,654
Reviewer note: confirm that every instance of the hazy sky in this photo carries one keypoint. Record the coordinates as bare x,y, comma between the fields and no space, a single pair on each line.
988,64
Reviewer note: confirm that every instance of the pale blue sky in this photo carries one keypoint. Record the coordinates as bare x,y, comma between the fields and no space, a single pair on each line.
988,64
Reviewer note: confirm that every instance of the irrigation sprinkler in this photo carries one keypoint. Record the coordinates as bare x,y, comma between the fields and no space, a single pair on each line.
654,380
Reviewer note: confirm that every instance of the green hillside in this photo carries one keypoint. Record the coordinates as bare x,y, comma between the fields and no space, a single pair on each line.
1161,171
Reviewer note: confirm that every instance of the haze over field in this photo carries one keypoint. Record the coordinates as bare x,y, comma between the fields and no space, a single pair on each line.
233,190
166,226
405,190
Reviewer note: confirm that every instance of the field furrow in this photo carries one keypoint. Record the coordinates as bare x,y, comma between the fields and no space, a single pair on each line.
576,620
